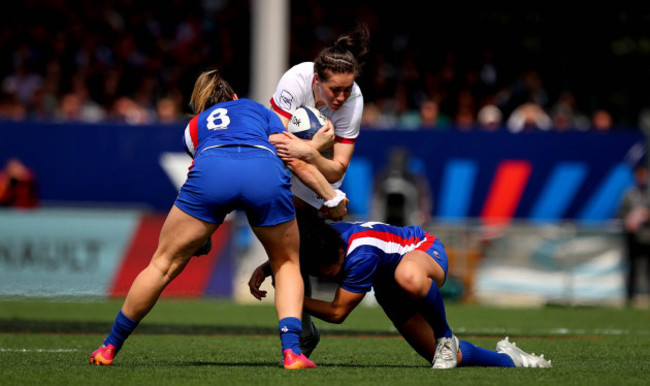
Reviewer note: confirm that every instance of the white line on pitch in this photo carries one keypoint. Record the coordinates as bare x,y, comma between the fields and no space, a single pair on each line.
556,331
37,350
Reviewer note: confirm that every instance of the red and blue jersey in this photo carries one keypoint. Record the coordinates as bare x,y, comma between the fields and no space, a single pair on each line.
374,250
237,122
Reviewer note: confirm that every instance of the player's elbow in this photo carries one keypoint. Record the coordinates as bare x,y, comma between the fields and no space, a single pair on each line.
335,175
338,316
334,178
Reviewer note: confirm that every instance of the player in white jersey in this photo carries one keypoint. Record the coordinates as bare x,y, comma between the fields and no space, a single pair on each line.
328,84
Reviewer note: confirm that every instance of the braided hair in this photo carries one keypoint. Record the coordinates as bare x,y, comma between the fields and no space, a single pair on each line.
210,88
345,56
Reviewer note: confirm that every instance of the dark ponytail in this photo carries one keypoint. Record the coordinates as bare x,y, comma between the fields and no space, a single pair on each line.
346,55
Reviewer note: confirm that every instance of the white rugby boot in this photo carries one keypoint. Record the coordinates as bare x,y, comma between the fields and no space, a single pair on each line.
520,357
446,356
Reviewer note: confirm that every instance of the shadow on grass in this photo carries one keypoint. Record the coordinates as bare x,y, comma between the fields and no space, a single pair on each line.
80,327
320,365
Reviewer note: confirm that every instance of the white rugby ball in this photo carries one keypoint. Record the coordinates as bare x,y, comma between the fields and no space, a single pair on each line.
306,121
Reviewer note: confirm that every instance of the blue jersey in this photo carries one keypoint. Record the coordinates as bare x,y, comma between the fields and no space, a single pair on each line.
237,122
374,250
235,167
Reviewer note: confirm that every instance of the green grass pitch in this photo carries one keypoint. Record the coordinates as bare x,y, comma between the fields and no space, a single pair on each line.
217,342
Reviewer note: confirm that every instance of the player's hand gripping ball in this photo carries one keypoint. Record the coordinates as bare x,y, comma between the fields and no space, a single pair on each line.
306,121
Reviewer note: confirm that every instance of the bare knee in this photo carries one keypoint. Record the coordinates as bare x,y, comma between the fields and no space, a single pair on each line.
411,280
168,267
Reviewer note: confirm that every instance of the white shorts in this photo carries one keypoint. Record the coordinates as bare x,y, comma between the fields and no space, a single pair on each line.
300,190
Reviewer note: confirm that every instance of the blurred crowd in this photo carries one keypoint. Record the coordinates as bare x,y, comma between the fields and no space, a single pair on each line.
113,61
135,62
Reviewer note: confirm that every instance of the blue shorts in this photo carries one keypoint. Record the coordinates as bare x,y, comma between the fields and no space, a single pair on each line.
397,304
437,251
244,178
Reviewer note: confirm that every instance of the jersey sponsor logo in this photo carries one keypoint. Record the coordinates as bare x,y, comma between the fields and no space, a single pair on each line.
286,99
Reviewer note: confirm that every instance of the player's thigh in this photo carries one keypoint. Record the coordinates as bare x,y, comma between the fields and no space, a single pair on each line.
181,235
398,305
281,241
433,263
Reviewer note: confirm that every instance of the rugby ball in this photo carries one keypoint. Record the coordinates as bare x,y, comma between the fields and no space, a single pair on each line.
306,121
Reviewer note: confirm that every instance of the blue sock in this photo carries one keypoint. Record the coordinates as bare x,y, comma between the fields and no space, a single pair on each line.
433,309
122,328
477,356
290,330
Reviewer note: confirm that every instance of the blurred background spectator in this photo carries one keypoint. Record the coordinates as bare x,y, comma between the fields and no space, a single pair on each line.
430,116
401,194
120,60
601,121
489,118
529,117
169,110
635,213
565,114
17,185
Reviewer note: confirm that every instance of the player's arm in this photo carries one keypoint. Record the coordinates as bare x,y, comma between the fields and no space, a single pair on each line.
257,278
332,169
337,310
335,201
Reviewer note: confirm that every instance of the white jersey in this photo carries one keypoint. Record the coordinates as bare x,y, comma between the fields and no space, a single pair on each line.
295,90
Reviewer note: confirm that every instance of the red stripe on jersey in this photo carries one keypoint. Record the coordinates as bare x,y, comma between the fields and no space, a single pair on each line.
428,242
194,131
387,237
278,110
345,140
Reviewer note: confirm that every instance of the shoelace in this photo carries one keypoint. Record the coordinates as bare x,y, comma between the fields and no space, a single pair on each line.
446,352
